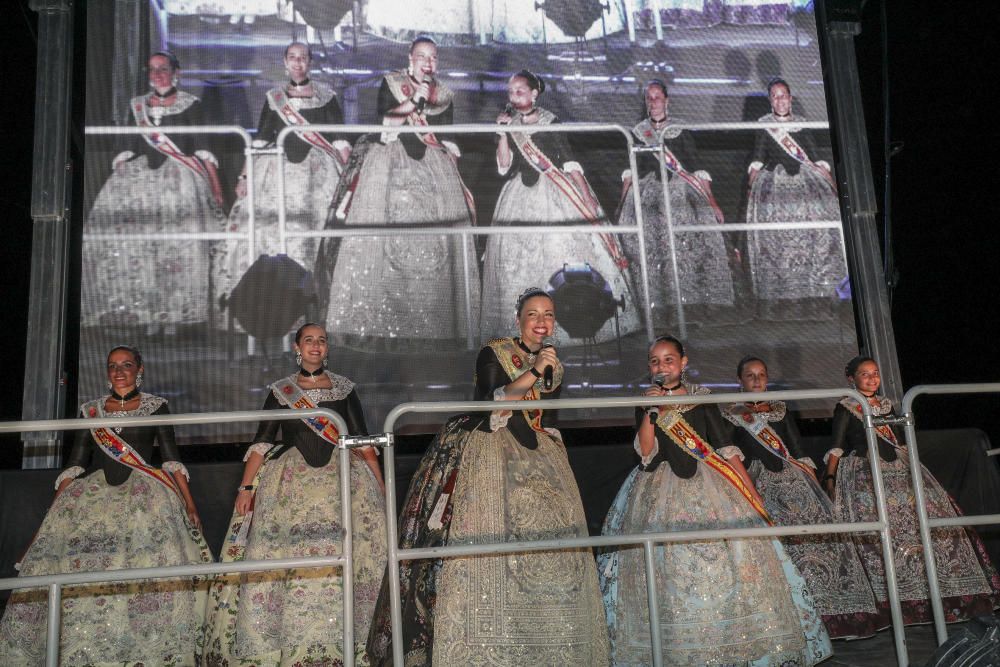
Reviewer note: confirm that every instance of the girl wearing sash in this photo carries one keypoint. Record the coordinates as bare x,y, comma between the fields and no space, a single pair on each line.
114,510
786,479
288,506
544,186
313,162
702,258
164,183
399,291
721,602
795,272
494,477
969,583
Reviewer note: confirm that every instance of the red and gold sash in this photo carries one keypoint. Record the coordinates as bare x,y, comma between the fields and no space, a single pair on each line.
757,426
115,447
291,395
164,144
684,436
541,163
787,142
882,431
514,362
281,103
673,164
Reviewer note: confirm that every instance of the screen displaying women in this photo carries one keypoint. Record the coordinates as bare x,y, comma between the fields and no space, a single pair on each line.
795,272
702,259
786,479
721,601
114,510
544,185
164,182
313,162
968,581
288,506
492,477
398,289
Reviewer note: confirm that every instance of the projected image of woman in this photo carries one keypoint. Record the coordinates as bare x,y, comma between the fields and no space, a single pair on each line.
795,273
288,506
399,290
313,163
498,476
721,602
165,182
786,480
544,185
969,583
124,513
706,284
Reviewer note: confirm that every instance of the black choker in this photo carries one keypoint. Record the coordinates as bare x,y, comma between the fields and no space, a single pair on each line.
122,400
305,82
781,115
658,120
527,350
671,390
163,96
310,374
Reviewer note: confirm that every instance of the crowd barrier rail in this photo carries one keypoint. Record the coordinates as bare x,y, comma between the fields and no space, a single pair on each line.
647,540
55,582
924,522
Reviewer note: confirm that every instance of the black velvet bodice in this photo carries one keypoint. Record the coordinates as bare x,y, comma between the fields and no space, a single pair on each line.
188,143
706,421
754,451
683,148
554,145
767,151
294,433
415,148
296,150
849,435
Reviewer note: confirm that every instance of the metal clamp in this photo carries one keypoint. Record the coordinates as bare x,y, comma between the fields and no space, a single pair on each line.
381,440
902,420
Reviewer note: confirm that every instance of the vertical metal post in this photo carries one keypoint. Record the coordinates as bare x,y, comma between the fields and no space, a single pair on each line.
470,342
392,537
657,21
52,627
347,551
640,223
674,267
282,215
50,187
653,602
857,196
933,585
895,611
630,19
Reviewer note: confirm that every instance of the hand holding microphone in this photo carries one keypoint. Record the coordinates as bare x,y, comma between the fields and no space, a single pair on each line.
545,364
423,92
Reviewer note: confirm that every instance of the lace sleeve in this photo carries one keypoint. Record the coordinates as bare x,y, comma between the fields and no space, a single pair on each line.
69,473
499,418
259,448
646,460
174,467
730,451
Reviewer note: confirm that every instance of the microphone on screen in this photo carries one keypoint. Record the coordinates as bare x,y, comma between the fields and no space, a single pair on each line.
547,373
422,101
509,109
659,379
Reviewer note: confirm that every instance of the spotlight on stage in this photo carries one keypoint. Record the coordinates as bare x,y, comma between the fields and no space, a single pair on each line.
583,300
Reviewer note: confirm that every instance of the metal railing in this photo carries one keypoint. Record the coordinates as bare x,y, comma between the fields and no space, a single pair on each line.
55,582
924,522
396,554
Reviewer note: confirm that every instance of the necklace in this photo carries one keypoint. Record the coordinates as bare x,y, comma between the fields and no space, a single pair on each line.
163,96
670,390
302,84
527,350
658,121
311,374
124,399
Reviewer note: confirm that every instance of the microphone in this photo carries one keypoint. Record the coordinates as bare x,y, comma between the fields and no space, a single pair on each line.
547,373
659,379
509,109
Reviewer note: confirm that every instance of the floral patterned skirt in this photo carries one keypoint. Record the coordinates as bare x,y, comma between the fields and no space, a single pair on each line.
291,617
969,583
722,602
95,526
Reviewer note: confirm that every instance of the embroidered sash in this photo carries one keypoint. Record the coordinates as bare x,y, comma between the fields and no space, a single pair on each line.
541,163
673,164
882,431
787,142
684,436
514,362
291,395
290,115
757,426
116,448
235,543
164,144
